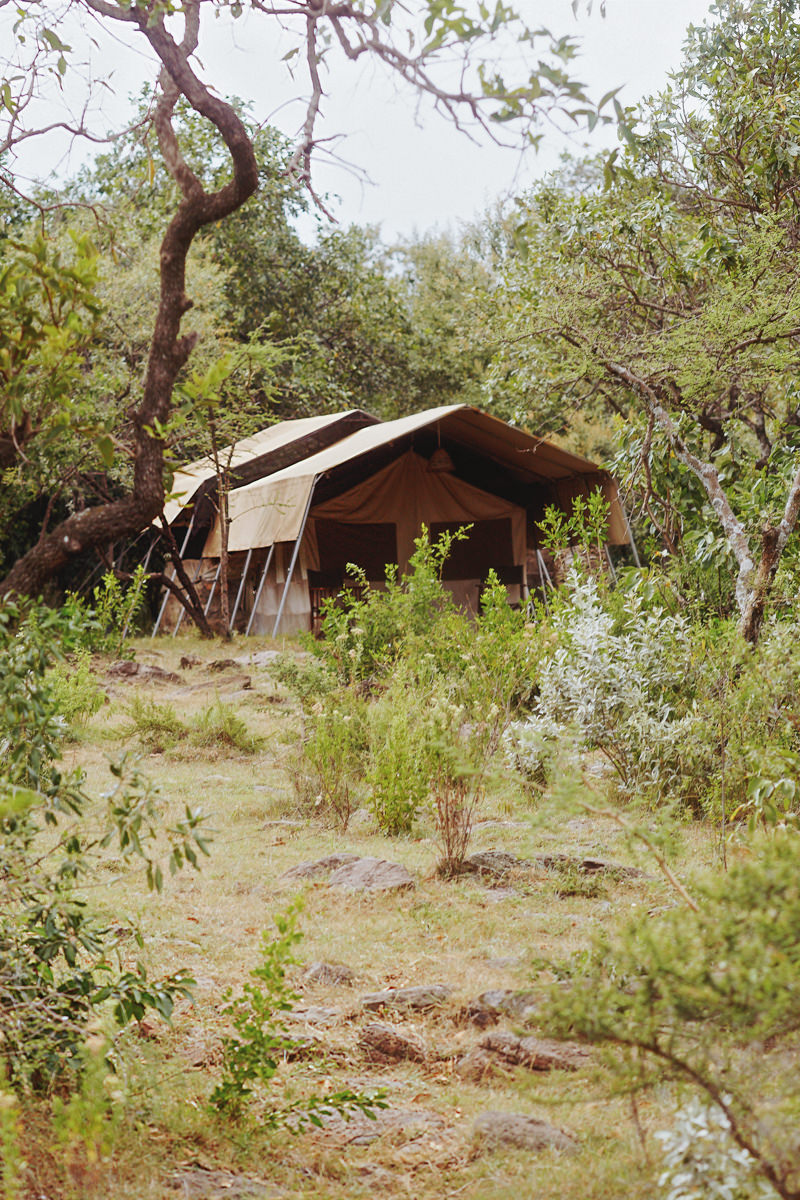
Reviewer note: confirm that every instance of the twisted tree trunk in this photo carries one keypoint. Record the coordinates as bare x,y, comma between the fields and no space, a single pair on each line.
169,350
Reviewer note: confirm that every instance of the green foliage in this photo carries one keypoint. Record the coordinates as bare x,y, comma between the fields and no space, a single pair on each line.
75,692
710,999
330,761
702,1161
56,956
220,727
586,526
156,726
402,758
251,1057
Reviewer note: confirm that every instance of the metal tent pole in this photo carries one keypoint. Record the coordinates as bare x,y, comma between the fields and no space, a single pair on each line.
159,618
182,613
213,589
241,589
261,583
544,575
295,553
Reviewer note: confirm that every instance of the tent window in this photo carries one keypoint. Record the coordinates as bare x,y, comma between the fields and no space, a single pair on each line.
369,546
487,545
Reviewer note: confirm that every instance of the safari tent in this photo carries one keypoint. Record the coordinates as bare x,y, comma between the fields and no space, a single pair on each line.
314,495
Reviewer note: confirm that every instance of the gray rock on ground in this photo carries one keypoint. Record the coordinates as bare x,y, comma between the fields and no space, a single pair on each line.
409,997
333,974
320,866
372,875
382,1043
500,1050
518,1006
128,669
496,1129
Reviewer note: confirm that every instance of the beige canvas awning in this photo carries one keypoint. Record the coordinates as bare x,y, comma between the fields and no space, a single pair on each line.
189,479
273,510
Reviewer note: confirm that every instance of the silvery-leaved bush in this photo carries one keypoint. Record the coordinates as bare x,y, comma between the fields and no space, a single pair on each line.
702,1161
612,685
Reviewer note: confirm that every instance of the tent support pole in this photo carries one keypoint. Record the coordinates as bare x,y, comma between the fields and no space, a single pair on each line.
260,589
241,589
213,589
182,613
610,564
295,553
160,616
544,575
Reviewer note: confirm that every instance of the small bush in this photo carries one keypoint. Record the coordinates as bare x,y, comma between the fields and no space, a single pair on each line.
455,801
219,727
331,760
251,1056
75,691
156,726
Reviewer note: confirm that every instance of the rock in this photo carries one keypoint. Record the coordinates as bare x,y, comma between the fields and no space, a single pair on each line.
222,664
408,997
516,1129
314,1014
127,669
589,866
328,973
493,862
202,1183
320,866
371,875
259,658
504,964
190,660
381,1043
480,1014
497,1050
496,895
520,1006
360,1131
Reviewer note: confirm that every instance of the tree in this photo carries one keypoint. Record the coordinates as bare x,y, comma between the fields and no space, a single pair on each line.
422,43
674,294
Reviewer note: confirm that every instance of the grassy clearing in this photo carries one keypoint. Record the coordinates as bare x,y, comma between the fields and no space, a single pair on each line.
463,932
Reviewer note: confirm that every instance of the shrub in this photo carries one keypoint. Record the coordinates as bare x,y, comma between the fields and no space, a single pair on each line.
75,692
56,957
251,1056
219,726
332,755
156,726
709,998
702,1161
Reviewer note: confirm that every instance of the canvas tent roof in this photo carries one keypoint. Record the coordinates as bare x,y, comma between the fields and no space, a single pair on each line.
189,479
274,509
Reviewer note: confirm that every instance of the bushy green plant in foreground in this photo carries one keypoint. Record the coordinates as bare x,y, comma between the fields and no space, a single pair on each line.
405,689
688,714
251,1057
76,694
56,956
710,999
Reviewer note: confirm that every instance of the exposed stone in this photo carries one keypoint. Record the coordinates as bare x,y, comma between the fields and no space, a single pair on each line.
493,862
328,973
190,660
128,669
360,1131
314,1014
480,1015
320,866
519,1006
498,1050
259,658
516,1129
223,664
408,997
589,866
383,1044
201,1183
372,875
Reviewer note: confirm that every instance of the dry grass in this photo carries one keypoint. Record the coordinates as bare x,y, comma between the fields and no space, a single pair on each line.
460,932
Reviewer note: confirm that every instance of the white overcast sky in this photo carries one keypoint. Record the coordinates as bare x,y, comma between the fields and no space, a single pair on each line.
421,172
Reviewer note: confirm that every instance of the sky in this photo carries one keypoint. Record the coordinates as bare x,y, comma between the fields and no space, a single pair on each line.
401,166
